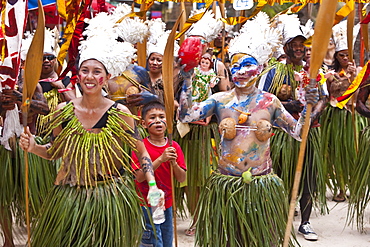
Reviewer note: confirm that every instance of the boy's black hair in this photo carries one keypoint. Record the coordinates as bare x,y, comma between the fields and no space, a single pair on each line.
150,106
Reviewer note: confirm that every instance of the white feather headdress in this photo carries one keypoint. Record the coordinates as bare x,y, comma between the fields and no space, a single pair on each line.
114,55
156,28
290,27
256,39
207,27
130,30
51,39
340,35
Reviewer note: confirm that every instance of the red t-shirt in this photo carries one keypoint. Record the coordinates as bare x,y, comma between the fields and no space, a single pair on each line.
163,173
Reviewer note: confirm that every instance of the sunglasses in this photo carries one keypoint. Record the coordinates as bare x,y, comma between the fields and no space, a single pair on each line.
49,57
342,55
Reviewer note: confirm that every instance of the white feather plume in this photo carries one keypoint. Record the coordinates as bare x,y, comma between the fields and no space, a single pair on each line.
156,29
256,39
114,55
207,27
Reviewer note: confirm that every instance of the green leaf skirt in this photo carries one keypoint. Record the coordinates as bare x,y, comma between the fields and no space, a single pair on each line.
359,185
200,148
284,155
42,174
338,144
108,214
232,213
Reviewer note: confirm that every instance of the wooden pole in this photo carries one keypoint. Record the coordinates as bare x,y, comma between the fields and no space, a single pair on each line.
222,10
319,47
32,72
167,74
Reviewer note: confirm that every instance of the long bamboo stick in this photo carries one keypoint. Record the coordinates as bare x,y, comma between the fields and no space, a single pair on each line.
32,71
319,46
167,72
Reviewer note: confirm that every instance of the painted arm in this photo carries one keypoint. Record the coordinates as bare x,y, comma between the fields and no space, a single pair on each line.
282,119
320,106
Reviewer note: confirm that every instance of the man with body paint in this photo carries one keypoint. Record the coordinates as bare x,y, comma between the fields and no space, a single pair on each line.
288,81
245,150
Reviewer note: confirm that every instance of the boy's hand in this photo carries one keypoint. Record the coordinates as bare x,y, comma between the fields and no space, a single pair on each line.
169,155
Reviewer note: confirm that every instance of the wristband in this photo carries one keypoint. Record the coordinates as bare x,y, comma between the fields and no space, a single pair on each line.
152,183
64,90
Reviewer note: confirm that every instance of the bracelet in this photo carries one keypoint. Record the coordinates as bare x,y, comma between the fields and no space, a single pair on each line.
63,90
152,183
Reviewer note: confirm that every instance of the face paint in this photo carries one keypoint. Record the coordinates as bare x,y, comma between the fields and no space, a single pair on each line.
244,70
101,81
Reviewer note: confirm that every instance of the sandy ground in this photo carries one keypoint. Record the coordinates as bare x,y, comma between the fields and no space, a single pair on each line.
331,228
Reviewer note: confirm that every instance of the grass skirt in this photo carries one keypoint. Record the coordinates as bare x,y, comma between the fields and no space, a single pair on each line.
42,174
201,160
233,213
106,215
359,186
338,145
284,155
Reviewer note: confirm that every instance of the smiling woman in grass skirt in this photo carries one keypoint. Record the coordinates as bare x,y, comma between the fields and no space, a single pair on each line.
94,197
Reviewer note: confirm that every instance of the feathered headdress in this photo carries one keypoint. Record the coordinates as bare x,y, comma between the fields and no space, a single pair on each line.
51,40
290,27
130,30
256,39
114,55
158,37
207,27
340,35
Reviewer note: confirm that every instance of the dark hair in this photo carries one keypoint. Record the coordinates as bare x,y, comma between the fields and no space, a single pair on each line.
336,63
150,106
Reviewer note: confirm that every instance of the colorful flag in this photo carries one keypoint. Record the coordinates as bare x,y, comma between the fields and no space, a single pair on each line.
13,22
357,83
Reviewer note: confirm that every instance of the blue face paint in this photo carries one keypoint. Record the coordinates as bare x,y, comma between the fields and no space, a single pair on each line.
245,62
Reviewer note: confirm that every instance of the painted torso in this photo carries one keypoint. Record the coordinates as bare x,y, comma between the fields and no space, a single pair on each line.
245,150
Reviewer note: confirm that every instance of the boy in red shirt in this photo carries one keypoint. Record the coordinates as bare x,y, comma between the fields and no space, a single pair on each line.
163,156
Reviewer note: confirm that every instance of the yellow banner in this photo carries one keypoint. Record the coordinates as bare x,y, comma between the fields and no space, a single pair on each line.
353,87
344,11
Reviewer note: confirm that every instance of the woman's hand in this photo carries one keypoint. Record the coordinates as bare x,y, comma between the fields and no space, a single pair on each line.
27,141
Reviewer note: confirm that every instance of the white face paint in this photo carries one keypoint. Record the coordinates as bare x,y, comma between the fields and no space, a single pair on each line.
245,75
244,69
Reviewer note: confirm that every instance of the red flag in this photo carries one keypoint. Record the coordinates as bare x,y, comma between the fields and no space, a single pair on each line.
13,22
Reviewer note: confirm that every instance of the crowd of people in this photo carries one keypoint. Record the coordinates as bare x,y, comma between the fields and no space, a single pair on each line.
98,147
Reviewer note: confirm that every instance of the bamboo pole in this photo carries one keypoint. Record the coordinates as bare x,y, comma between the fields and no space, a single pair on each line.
32,72
141,47
183,20
319,46
350,25
222,10
169,104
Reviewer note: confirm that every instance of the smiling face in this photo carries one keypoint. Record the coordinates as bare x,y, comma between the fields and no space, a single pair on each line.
155,62
295,48
92,76
244,69
155,121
